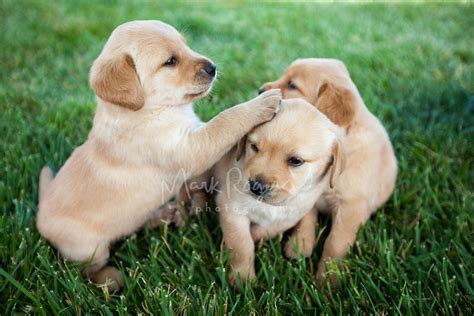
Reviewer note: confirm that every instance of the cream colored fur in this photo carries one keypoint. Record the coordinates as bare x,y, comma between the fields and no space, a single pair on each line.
298,131
366,182
145,141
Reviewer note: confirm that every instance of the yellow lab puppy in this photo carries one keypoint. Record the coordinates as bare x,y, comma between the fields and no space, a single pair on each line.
145,141
371,167
272,180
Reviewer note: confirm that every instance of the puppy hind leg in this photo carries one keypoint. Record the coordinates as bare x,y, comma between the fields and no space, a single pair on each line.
190,198
200,190
193,195
108,276
199,202
184,199
98,272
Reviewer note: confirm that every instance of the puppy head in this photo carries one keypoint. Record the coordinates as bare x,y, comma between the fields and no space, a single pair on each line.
324,83
147,63
297,151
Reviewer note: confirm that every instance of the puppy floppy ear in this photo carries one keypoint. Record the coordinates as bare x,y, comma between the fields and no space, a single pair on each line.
240,151
337,103
116,81
338,162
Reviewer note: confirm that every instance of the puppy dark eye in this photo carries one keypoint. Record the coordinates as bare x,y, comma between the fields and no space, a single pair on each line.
291,85
172,61
295,161
254,147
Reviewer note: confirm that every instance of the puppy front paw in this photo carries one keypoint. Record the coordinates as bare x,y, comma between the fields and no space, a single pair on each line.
327,272
243,272
296,247
267,104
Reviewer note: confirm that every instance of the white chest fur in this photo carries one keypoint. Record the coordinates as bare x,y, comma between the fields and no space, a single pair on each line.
265,214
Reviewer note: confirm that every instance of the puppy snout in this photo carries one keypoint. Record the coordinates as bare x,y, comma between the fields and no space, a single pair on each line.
259,187
210,69
261,90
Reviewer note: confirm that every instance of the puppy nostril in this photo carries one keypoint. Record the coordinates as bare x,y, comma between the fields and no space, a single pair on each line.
258,188
261,90
210,69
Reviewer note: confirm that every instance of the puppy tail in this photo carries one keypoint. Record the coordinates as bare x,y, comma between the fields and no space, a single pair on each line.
46,176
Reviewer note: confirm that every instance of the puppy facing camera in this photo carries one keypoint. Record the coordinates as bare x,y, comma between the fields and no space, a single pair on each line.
324,153
273,178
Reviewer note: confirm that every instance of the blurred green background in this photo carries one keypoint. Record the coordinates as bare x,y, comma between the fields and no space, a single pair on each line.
413,64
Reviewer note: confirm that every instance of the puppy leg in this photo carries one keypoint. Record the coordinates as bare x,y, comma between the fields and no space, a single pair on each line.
85,244
166,214
191,202
199,202
303,236
237,238
268,232
200,188
108,276
97,271
192,196
345,223
183,199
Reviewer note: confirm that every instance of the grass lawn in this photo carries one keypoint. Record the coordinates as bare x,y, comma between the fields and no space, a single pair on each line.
414,66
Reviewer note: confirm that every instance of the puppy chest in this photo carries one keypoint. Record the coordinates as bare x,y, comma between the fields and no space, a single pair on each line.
266,215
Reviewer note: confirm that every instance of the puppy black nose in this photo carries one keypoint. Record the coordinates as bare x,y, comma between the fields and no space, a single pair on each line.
259,188
261,90
210,69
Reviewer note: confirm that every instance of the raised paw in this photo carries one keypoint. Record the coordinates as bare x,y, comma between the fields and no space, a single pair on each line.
268,103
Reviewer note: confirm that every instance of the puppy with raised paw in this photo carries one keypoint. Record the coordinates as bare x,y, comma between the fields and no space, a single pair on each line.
145,141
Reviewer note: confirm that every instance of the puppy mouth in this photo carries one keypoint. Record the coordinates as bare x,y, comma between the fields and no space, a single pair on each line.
201,92
198,94
270,199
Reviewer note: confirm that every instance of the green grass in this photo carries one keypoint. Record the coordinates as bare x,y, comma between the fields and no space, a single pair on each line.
414,66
